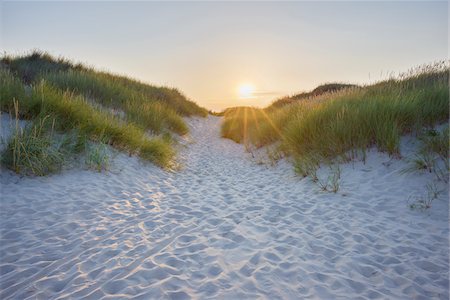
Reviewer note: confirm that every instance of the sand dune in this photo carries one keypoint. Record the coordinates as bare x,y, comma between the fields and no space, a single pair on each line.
223,227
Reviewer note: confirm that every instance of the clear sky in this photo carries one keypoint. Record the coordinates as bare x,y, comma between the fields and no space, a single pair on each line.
223,54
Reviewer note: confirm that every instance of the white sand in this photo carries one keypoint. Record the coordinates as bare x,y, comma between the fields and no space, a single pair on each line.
223,227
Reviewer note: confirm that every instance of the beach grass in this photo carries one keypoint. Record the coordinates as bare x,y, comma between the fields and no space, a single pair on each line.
349,121
153,108
433,153
84,104
32,150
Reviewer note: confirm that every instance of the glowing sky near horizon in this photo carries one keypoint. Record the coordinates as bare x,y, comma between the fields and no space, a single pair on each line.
222,54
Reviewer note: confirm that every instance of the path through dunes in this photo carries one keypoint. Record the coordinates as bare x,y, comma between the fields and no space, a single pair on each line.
223,227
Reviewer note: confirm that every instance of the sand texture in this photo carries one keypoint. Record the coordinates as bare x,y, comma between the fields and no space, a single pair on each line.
222,227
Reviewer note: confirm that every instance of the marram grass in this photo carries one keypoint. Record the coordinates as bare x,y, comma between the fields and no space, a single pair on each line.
351,120
84,104
158,109
32,150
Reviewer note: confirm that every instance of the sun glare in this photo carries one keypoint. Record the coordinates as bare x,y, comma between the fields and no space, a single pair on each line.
246,91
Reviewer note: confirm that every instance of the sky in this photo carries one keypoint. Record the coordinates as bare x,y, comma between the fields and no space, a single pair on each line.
223,54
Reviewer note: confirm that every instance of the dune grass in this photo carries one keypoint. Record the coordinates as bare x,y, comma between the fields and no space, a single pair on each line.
97,157
323,89
69,112
432,154
83,105
158,109
141,108
32,151
347,122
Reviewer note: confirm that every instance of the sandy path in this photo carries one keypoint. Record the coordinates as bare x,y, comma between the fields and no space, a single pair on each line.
223,227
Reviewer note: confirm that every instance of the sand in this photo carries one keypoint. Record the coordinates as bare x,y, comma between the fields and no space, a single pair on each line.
222,227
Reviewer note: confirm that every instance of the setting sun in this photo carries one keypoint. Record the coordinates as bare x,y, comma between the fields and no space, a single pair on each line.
246,91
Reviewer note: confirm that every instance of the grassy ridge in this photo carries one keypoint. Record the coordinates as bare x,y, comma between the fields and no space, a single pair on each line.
83,104
73,112
318,91
158,109
353,119
106,90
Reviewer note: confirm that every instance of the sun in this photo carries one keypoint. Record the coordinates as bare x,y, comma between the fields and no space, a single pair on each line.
246,91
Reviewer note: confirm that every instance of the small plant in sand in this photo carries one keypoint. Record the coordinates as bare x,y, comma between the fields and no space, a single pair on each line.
433,154
274,155
97,157
423,160
332,181
424,201
308,166
270,156
32,150
335,182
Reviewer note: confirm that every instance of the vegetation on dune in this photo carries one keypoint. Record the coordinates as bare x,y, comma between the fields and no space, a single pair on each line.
323,89
425,200
154,108
433,154
84,104
347,122
32,151
97,157
104,89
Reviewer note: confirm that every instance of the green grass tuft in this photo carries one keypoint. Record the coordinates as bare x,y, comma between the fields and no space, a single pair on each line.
97,157
33,151
158,151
